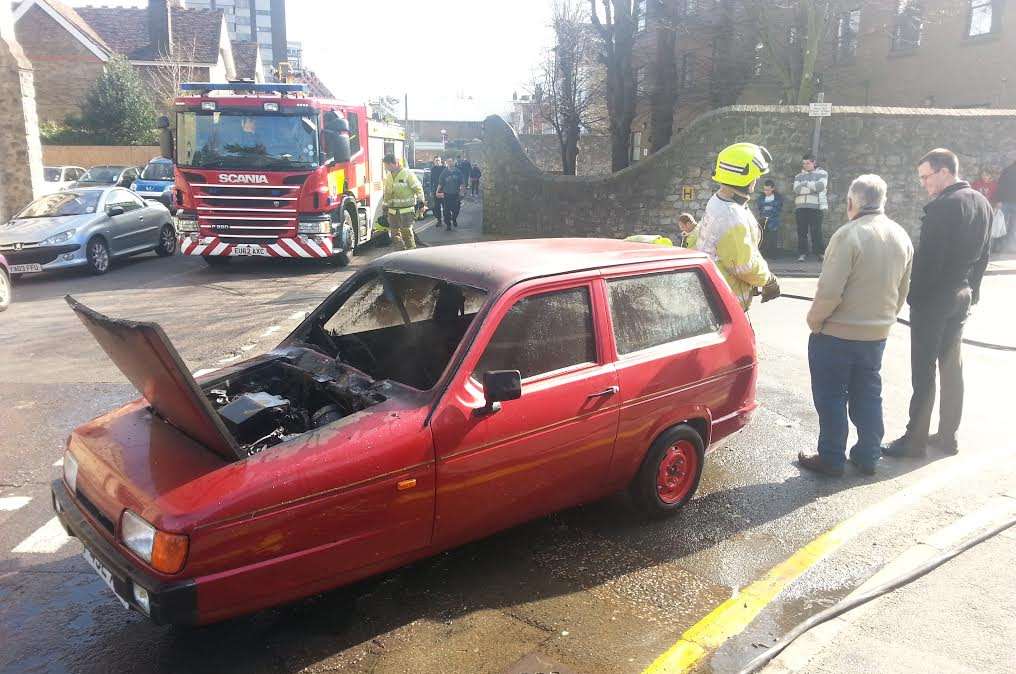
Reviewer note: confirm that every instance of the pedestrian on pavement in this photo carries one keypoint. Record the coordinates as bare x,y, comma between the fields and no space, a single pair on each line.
465,168
1005,195
863,286
689,230
951,257
474,180
451,191
435,186
810,205
403,196
770,210
986,184
729,232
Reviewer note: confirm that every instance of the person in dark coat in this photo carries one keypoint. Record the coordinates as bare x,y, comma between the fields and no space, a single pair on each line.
435,185
474,180
450,189
949,264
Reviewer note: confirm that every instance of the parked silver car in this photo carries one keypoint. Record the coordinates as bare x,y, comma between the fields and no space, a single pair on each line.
85,228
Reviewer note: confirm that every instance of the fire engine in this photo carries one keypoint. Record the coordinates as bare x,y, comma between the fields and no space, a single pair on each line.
266,170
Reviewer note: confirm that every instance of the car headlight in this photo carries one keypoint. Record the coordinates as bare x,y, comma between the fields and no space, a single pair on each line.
164,552
316,227
184,226
58,238
70,471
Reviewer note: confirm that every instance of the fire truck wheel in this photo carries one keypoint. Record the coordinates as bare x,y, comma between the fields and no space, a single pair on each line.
216,260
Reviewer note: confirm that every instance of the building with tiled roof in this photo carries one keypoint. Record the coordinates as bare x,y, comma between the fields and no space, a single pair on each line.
164,40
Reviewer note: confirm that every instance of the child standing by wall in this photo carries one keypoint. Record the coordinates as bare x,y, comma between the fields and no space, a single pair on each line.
770,209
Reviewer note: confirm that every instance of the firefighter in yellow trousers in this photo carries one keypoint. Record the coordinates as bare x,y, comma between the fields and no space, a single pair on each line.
403,197
729,232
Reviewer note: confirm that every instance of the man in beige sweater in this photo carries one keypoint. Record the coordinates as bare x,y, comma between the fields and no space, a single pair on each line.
862,288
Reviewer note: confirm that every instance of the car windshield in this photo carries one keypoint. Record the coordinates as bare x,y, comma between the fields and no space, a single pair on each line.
228,140
400,327
101,174
62,204
51,175
158,170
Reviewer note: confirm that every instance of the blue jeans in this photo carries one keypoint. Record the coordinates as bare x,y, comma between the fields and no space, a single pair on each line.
846,374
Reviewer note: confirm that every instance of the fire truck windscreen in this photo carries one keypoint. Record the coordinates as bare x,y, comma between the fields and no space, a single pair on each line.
246,141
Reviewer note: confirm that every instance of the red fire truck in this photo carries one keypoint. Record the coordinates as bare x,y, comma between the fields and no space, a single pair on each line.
265,170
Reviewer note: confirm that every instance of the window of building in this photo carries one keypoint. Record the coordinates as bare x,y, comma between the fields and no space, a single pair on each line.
909,26
686,74
636,145
983,18
687,7
541,334
660,308
848,26
640,81
640,15
264,4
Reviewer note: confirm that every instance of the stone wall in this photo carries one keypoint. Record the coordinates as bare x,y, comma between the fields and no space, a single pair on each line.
519,199
545,152
20,154
64,68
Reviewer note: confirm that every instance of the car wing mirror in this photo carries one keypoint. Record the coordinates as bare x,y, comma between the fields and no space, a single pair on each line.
114,211
498,386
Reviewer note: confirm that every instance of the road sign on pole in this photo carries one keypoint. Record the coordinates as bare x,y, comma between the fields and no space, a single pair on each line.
820,109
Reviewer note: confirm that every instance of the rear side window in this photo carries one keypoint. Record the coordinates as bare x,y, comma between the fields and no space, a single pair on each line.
656,309
543,333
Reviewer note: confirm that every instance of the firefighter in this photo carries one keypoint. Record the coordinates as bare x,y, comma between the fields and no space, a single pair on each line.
403,197
729,232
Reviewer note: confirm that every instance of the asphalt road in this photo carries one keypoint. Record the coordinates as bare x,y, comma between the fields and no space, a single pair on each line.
593,589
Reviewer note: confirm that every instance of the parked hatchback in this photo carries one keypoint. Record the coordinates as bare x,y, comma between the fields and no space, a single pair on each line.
56,178
6,285
156,182
120,176
437,396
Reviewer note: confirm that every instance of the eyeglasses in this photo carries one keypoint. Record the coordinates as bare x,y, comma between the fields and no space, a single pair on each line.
923,177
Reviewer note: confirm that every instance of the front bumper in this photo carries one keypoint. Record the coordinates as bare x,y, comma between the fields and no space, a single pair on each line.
171,603
49,257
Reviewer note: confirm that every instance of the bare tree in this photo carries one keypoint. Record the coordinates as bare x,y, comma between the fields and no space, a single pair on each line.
615,22
568,90
173,69
663,97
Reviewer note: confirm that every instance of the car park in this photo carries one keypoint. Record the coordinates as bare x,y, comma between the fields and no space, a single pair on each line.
120,176
437,396
56,178
85,228
155,182
6,285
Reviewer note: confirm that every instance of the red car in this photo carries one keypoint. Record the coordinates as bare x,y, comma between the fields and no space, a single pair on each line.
438,396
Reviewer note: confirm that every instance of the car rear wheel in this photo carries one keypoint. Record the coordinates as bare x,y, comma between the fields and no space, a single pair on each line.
6,291
670,473
97,253
167,241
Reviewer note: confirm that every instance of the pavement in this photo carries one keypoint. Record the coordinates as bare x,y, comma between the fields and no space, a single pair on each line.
788,265
589,590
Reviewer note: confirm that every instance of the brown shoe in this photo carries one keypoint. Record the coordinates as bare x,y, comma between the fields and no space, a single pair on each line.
816,464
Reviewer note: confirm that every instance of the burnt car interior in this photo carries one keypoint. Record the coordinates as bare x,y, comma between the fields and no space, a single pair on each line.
398,326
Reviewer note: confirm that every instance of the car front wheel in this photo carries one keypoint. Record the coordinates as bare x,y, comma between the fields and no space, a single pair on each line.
6,291
167,241
670,472
97,253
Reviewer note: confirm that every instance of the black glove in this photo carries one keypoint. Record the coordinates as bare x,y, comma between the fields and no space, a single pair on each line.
771,290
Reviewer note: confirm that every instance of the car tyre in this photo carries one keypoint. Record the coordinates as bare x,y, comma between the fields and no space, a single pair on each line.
6,291
670,472
216,260
167,241
97,254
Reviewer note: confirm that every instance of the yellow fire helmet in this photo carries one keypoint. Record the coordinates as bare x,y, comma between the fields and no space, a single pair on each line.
741,164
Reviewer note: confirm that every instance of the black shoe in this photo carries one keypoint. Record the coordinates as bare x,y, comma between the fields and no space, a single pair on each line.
862,467
816,464
949,447
900,448
455,224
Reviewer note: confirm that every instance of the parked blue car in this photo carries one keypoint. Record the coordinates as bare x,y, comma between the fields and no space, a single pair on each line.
156,182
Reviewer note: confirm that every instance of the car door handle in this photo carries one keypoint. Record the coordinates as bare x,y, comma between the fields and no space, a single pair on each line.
604,393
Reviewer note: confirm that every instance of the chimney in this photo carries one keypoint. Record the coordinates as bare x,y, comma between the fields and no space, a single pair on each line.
160,27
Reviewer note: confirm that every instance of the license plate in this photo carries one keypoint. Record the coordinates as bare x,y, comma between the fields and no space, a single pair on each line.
249,249
104,573
25,268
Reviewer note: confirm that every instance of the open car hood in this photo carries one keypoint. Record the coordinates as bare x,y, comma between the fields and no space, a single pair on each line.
148,359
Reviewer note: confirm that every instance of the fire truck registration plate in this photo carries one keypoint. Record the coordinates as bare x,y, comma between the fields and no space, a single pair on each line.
249,249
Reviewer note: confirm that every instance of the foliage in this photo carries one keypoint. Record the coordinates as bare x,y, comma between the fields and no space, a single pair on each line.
117,109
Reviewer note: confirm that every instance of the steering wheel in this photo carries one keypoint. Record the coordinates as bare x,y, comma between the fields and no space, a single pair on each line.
362,345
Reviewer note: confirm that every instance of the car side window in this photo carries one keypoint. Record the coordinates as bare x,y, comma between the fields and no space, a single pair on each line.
136,201
659,308
543,333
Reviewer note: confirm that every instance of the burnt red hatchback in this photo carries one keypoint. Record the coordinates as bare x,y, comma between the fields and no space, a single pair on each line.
437,396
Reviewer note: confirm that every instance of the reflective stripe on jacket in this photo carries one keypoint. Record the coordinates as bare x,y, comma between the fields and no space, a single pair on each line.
730,235
402,190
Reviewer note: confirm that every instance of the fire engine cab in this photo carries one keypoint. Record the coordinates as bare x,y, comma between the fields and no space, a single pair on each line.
265,170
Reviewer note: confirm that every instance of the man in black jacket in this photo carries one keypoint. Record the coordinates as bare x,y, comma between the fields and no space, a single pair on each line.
946,280
435,186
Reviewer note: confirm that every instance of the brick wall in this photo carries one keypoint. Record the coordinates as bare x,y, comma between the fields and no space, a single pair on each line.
647,197
96,155
64,68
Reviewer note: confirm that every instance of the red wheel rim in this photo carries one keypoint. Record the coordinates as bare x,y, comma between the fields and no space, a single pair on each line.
676,474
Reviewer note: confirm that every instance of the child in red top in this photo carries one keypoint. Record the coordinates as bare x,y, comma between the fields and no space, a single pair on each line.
986,185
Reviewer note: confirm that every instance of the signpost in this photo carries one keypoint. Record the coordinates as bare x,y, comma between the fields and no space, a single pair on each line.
818,110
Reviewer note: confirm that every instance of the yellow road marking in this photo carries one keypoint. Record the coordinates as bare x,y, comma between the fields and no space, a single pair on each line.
732,616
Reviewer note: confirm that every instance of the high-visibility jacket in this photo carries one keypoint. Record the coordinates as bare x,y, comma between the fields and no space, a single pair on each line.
657,239
402,190
691,238
730,235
